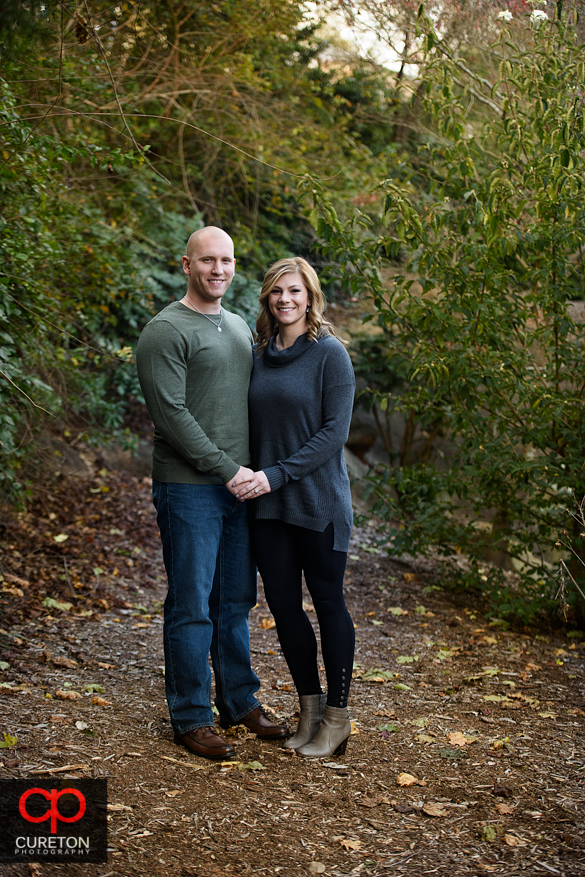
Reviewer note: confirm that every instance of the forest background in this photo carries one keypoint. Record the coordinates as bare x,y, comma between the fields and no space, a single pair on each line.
440,193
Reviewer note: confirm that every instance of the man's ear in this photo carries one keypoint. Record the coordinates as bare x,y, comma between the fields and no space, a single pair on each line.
186,265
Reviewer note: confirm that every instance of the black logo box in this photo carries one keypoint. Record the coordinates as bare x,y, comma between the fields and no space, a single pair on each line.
41,820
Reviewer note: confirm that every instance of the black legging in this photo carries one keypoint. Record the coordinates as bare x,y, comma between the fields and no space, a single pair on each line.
283,552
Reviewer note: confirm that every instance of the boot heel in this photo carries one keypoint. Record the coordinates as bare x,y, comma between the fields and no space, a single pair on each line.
342,747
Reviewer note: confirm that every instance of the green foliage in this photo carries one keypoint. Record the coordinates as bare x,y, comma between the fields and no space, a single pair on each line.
488,315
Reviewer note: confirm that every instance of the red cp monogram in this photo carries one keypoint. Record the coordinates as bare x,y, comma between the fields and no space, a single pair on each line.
53,812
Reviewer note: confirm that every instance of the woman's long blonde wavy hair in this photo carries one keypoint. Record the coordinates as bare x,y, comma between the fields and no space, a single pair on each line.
317,325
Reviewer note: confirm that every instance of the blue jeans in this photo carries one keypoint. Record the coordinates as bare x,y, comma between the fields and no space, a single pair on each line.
212,587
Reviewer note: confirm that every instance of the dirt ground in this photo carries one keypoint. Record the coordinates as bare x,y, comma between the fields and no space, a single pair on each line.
467,749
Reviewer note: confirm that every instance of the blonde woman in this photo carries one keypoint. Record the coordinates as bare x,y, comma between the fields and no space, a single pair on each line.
300,405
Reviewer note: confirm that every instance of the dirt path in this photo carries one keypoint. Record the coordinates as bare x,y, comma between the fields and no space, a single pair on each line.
467,755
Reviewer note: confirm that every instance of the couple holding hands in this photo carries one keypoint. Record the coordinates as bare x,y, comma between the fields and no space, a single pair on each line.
248,470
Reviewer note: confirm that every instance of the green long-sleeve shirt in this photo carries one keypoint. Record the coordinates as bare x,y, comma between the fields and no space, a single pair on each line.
195,383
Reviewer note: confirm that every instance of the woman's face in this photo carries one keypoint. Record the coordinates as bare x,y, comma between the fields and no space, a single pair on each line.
288,302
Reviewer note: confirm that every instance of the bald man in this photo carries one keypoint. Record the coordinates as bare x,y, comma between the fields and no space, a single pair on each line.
194,361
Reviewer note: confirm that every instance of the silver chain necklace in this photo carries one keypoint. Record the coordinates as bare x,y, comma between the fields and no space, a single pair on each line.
207,317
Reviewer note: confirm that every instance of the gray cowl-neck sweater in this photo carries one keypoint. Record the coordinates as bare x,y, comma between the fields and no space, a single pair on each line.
300,405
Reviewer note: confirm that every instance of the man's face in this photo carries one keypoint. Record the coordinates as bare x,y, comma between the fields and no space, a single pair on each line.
210,266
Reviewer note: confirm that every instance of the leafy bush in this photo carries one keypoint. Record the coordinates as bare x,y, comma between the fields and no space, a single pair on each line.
488,312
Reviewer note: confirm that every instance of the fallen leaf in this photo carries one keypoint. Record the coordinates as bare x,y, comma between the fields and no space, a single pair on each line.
368,802
389,726
451,752
268,623
402,807
81,726
61,537
354,729
400,686
349,844
530,667
548,715
421,722
252,765
407,779
93,688
504,809
424,738
396,610
406,659
117,808
377,675
491,832
8,742
61,661
100,701
495,698
67,695
16,592
50,603
105,666
490,640
434,809
514,841
456,738
316,868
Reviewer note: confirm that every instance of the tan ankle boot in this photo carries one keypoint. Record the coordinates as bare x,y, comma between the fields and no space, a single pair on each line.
312,706
332,736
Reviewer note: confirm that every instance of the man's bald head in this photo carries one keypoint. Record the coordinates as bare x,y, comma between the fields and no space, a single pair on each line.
210,265
210,235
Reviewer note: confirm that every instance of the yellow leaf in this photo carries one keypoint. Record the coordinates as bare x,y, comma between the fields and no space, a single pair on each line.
62,537
354,729
409,577
268,623
407,779
548,715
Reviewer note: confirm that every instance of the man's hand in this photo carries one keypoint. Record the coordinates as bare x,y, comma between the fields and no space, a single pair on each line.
252,488
242,477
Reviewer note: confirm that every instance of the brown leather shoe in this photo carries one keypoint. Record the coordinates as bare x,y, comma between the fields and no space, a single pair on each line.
206,743
260,723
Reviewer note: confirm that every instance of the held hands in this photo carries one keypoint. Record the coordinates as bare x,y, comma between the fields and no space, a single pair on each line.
248,485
